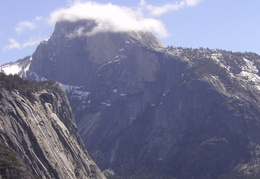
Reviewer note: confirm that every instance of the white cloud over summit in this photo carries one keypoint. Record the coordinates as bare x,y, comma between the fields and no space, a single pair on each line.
116,18
110,17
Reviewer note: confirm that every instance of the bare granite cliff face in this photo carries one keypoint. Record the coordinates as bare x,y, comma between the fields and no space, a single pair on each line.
37,124
143,110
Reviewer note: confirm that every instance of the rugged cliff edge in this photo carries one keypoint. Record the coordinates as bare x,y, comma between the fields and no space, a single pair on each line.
142,109
37,125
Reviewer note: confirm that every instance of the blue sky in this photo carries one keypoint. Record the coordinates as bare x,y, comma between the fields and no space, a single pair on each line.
217,24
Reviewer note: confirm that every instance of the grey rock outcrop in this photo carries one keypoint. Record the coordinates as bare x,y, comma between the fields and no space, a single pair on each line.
39,127
144,109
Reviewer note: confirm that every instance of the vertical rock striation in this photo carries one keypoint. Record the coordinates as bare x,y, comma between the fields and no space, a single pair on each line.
38,125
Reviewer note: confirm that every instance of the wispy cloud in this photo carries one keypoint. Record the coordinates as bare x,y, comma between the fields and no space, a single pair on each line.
14,44
174,6
27,25
20,28
31,42
38,18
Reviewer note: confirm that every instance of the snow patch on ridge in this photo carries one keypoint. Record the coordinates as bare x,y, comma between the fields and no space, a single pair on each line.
11,69
249,66
77,91
218,58
250,73
19,67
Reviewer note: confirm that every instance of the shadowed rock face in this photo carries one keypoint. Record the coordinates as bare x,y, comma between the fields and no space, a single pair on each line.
39,128
139,107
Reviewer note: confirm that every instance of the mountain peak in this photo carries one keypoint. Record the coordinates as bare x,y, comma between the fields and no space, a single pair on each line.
75,47
168,112
90,29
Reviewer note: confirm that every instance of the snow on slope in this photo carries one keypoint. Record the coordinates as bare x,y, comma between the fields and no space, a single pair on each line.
77,91
250,73
19,67
11,69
